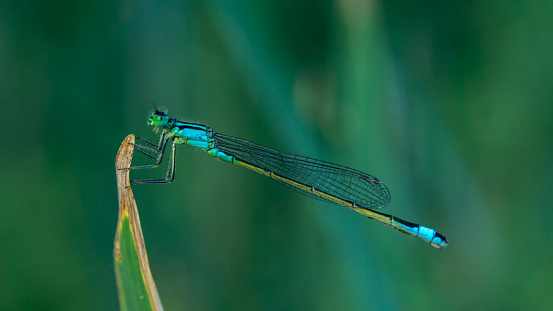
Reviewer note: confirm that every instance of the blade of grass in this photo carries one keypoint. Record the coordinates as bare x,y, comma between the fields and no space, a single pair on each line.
135,284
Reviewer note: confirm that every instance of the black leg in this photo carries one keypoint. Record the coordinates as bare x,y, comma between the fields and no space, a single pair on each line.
148,142
158,159
145,153
158,147
169,176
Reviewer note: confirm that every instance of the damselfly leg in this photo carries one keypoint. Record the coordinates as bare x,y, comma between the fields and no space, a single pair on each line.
169,175
159,150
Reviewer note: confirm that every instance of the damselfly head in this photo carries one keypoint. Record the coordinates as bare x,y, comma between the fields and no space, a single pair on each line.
158,118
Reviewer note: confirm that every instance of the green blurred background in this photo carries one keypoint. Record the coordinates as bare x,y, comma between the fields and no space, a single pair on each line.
450,104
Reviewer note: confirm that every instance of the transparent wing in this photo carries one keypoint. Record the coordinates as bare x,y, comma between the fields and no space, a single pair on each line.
338,181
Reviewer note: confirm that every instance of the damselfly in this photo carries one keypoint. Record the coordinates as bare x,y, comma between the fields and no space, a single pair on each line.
325,181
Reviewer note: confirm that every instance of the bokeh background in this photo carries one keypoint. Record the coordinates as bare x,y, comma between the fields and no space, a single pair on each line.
450,104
